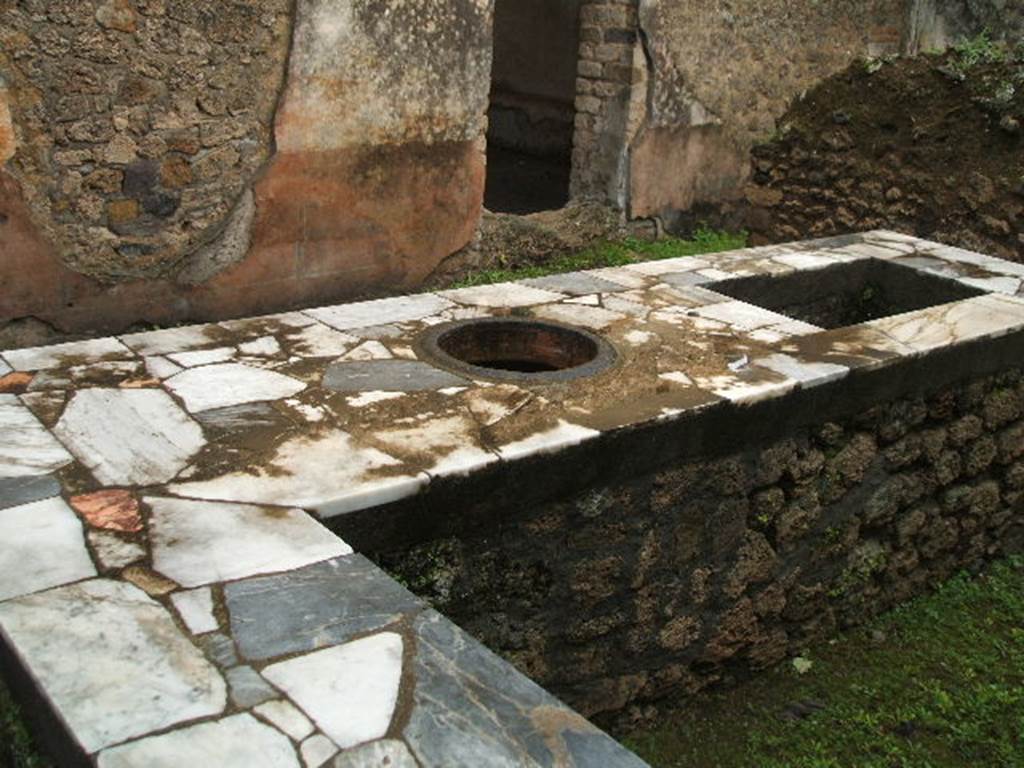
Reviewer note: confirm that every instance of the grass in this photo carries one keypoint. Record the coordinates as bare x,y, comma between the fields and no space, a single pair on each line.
937,683
17,749
613,254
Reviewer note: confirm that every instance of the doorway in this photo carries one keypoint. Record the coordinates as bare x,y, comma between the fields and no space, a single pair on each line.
531,115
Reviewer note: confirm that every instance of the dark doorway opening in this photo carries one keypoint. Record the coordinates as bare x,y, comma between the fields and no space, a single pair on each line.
532,112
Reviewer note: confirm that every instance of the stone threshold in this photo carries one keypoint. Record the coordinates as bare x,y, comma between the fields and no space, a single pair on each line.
167,591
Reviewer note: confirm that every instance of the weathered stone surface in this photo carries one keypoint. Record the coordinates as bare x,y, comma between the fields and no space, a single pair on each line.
388,376
286,717
119,668
220,386
467,703
100,426
196,609
350,690
112,551
15,491
376,754
27,450
575,284
314,607
48,535
240,741
328,472
204,542
247,688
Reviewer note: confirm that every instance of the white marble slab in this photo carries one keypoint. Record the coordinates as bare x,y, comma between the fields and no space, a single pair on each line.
42,545
118,667
172,339
502,295
317,340
196,609
317,750
265,346
43,358
666,266
329,472
386,753
451,444
349,690
559,437
950,324
286,718
160,367
26,447
112,551
202,542
595,318
221,385
807,373
240,741
740,315
401,309
101,427
4,367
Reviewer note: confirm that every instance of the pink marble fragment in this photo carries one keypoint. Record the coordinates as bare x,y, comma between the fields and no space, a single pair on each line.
112,510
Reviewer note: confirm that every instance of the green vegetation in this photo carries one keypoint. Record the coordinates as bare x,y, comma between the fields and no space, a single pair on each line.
16,747
979,50
938,683
613,254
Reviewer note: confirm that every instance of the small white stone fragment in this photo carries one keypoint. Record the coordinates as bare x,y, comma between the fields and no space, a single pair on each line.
42,546
317,750
317,340
265,346
196,609
286,717
676,377
112,551
386,753
349,690
368,350
369,398
160,367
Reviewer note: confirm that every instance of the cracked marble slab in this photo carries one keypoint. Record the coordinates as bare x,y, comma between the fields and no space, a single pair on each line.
222,385
350,690
118,668
27,449
101,428
329,472
202,542
60,355
401,309
47,534
239,741
314,607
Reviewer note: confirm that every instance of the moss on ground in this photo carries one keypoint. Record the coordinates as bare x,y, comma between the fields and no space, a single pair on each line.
614,254
937,683
17,749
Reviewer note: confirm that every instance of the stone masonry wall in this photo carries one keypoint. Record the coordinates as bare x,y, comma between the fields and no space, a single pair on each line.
169,160
719,75
665,583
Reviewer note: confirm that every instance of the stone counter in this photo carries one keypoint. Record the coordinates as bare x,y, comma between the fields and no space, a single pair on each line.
170,588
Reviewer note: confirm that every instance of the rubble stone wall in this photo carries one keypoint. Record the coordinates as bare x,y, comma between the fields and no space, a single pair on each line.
166,160
655,586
